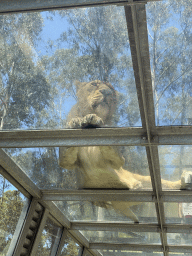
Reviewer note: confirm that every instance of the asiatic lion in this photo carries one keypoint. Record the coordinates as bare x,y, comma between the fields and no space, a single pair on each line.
102,166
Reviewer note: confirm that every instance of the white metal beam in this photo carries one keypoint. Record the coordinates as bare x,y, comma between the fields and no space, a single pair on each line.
134,136
7,6
97,195
72,137
126,226
123,246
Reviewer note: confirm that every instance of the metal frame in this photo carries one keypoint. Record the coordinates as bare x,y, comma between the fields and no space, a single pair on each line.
20,249
18,229
116,195
62,240
7,6
40,230
137,30
124,227
74,226
175,135
149,136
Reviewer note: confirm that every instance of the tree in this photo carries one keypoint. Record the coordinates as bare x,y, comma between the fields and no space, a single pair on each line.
70,248
170,51
24,90
11,206
49,239
95,46
169,25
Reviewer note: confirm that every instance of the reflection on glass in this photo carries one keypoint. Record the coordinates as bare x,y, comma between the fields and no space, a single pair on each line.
178,213
129,253
41,165
13,208
86,253
44,54
180,238
170,53
174,160
179,253
49,239
122,237
103,211
70,248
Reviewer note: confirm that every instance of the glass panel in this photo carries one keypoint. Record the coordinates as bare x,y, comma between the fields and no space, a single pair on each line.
86,253
100,163
122,237
129,253
13,208
169,27
179,253
49,239
174,160
178,213
70,248
180,238
107,211
49,57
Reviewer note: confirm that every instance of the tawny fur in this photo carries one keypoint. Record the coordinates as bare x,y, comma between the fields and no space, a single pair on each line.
101,166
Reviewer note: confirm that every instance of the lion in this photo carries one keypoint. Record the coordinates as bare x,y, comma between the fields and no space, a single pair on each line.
101,167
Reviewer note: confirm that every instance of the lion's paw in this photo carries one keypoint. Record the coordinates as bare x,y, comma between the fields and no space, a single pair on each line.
135,185
186,180
91,121
75,123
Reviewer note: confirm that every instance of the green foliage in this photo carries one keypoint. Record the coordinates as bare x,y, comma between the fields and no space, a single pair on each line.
100,35
170,51
11,205
24,90
49,239
95,46
70,248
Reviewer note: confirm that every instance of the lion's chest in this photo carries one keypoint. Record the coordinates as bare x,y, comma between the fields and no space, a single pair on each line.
97,171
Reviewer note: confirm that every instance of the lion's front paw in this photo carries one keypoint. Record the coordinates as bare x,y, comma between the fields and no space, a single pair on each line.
186,180
75,123
91,121
133,184
137,185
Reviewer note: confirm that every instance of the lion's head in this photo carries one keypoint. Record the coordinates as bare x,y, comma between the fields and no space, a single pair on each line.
95,97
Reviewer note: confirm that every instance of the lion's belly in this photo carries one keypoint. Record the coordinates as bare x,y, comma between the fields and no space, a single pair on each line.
97,173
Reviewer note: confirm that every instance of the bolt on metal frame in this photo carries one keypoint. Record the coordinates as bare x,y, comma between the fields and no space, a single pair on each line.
149,136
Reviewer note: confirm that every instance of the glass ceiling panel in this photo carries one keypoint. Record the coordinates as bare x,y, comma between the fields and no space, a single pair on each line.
130,253
169,33
108,211
41,166
179,253
179,238
178,213
13,209
49,239
45,57
70,248
122,237
175,163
